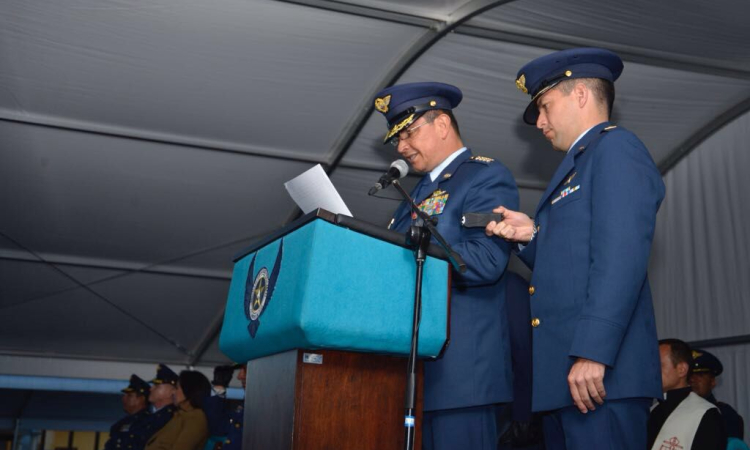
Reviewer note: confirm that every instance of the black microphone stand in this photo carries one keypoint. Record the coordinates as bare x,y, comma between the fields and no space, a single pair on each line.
418,237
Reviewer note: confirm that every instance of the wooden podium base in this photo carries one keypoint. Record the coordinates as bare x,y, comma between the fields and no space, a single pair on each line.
326,399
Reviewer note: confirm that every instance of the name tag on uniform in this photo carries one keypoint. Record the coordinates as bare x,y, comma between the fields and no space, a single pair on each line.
564,193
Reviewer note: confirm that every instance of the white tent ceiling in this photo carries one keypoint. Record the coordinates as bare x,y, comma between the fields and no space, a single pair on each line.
142,144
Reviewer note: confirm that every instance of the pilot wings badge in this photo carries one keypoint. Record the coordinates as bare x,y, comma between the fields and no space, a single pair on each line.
259,290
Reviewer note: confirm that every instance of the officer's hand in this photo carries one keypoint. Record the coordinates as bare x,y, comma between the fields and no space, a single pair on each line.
222,375
515,226
586,382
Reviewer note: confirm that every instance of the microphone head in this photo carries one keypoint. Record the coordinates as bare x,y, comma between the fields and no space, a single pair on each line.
401,166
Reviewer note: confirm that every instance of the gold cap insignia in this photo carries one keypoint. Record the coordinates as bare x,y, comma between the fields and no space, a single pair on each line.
521,84
697,354
568,73
399,127
381,103
433,103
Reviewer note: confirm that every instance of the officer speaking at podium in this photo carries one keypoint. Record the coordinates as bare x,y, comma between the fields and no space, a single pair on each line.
464,389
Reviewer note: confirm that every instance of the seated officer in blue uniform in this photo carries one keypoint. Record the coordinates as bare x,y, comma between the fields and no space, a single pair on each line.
464,388
220,410
161,399
236,415
706,367
596,363
135,404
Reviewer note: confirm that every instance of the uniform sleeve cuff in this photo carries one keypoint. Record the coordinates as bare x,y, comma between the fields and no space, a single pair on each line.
598,340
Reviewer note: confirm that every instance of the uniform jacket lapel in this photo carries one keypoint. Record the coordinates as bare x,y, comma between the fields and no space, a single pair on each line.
568,163
431,187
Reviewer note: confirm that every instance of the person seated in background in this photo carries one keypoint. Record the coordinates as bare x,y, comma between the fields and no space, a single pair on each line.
161,410
134,403
236,416
218,408
706,367
683,420
188,429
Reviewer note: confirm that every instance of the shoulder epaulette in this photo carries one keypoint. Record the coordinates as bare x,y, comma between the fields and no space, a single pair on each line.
481,159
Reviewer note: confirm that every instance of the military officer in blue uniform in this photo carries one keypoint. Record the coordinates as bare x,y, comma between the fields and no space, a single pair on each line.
596,363
706,367
216,407
221,412
162,407
135,404
464,388
236,416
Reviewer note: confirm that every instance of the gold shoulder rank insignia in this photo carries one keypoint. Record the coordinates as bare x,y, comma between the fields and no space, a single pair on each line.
521,84
611,127
381,103
483,159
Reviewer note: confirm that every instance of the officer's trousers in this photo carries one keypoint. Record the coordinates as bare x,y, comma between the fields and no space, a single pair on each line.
615,425
474,428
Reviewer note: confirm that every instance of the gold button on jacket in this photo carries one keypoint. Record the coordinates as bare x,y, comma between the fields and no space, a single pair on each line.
535,322
531,290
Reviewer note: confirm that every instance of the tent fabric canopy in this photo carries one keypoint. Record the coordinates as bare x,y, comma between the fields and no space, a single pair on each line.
143,144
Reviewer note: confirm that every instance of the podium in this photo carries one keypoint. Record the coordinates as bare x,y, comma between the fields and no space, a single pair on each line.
322,311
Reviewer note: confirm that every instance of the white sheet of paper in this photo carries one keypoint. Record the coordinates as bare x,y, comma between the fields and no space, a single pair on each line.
313,189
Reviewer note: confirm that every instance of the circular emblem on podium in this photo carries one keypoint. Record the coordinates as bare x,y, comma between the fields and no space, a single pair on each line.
260,294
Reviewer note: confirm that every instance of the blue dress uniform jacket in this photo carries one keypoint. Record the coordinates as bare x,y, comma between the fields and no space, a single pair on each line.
590,295
234,436
125,435
475,369
224,423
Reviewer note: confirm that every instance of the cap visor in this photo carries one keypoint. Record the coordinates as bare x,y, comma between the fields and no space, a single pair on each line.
393,132
531,114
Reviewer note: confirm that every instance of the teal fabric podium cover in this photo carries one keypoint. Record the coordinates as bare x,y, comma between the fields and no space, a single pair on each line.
323,286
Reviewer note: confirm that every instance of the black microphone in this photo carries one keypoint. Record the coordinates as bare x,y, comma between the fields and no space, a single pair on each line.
398,169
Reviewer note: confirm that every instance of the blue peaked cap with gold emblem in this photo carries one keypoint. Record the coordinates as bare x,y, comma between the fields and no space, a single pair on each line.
137,385
403,104
705,362
165,375
542,74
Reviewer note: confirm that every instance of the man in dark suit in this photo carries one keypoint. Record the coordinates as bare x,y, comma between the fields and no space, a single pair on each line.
464,388
594,335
